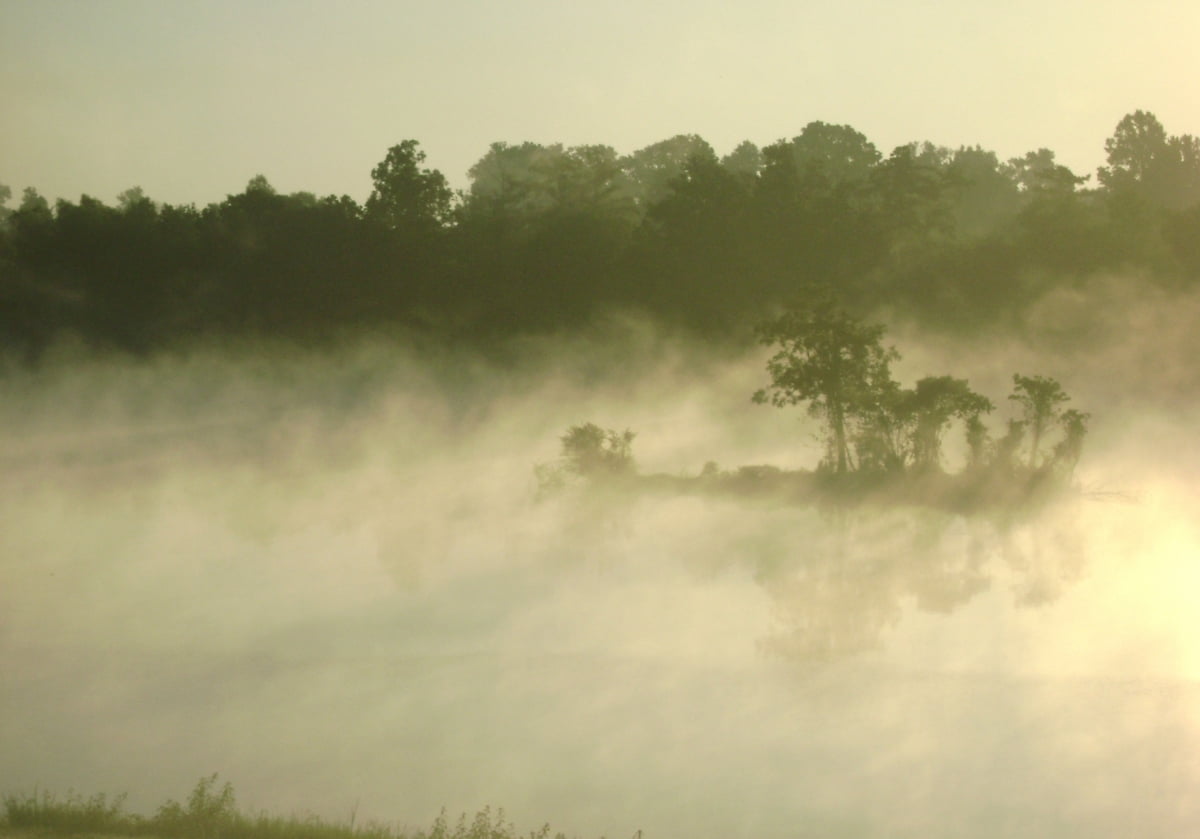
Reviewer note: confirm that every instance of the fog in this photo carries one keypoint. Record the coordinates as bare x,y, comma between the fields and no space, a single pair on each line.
329,576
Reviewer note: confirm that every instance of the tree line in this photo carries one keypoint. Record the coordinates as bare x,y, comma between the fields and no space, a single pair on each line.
546,237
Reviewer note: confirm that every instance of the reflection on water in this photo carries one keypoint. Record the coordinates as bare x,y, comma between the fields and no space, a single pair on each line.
839,590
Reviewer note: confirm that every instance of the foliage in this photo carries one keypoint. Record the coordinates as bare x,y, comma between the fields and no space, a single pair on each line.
837,365
406,196
934,403
830,360
71,814
906,426
1066,452
588,452
548,237
485,825
210,812
1143,159
1039,398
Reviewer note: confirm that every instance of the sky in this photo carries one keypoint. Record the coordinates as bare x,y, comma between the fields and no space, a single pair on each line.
191,100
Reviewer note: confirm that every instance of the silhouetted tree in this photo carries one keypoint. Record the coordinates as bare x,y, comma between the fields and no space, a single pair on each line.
1143,159
652,169
541,231
1061,229
548,236
510,184
1037,173
812,207
837,153
1039,398
1005,449
832,361
983,192
590,451
936,401
406,196
745,161
694,246
1066,453
904,426
883,429
977,439
1181,231
910,192
5,212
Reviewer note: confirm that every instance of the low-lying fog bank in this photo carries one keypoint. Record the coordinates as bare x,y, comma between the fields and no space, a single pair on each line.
329,578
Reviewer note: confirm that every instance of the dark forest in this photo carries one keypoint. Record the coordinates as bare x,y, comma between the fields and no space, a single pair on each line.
547,238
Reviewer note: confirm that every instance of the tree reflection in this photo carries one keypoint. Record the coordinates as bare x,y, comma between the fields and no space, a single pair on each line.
840,593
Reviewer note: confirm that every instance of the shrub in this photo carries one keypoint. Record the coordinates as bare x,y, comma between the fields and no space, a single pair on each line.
588,452
72,814
210,813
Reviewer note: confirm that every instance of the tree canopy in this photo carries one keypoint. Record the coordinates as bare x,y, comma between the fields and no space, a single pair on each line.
838,366
830,360
547,237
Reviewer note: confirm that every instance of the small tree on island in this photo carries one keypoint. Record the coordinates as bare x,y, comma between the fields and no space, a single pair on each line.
1065,455
905,426
937,400
589,452
1039,398
832,361
839,366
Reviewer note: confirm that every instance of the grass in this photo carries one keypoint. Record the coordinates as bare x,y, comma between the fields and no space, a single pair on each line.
210,812
73,814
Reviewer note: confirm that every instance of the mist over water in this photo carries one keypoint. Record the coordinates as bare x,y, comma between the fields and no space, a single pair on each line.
329,577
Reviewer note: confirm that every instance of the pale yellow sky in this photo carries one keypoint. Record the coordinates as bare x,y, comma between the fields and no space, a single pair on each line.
189,100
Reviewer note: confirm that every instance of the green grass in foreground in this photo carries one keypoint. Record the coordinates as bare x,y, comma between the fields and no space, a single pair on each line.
210,812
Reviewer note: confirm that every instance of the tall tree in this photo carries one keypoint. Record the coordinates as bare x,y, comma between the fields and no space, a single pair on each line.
1145,160
652,169
745,161
1133,150
1065,455
812,216
936,401
1038,174
984,192
910,189
541,228
838,152
407,196
696,239
509,182
5,212
904,426
1039,398
832,361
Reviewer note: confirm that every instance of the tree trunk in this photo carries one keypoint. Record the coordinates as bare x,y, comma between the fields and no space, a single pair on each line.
839,436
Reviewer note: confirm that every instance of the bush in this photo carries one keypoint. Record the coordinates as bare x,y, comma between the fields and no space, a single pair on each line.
73,814
483,826
210,813
588,452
